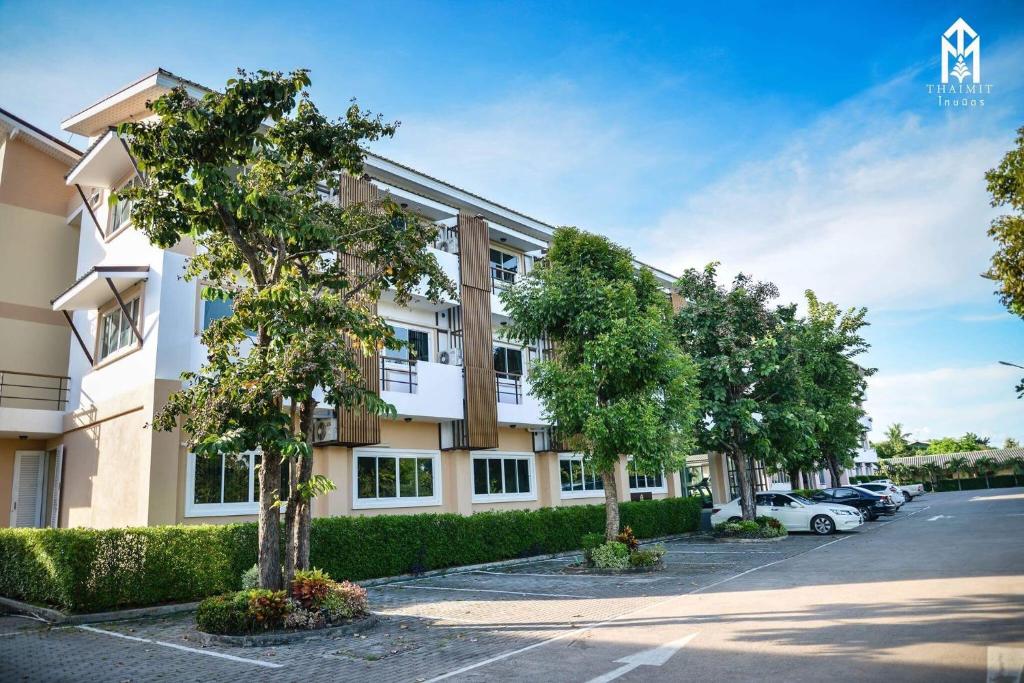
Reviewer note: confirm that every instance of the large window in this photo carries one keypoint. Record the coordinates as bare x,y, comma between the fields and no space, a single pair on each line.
226,484
578,479
504,267
503,476
508,371
395,478
417,344
398,366
121,212
643,481
115,328
215,310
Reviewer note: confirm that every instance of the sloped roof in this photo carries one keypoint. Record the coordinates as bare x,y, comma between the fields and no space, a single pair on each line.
997,454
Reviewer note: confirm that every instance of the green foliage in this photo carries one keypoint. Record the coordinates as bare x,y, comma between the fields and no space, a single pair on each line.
807,493
251,577
267,608
310,587
761,527
647,557
225,614
965,444
617,383
611,555
895,443
628,538
86,570
345,600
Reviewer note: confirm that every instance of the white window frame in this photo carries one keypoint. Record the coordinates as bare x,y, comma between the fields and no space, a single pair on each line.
503,497
647,489
193,509
109,310
398,501
586,493
116,229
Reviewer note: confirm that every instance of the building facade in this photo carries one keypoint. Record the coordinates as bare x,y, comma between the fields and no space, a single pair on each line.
468,435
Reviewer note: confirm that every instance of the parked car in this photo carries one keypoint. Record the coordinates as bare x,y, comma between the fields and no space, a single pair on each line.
892,489
795,512
871,504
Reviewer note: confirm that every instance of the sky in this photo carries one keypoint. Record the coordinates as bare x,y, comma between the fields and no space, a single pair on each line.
796,142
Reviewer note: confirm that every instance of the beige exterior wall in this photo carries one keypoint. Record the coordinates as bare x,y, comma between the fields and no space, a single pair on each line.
33,180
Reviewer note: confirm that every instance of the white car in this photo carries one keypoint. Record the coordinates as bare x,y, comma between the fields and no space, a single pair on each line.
795,512
889,488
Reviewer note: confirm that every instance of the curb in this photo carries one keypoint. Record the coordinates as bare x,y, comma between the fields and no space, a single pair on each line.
289,637
775,539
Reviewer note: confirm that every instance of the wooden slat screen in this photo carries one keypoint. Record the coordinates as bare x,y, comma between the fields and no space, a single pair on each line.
677,301
477,353
357,427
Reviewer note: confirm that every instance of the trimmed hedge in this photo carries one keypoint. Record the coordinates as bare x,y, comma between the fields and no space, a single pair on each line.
86,570
998,481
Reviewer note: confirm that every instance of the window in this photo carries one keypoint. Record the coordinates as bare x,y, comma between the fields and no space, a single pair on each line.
578,479
226,484
121,212
508,371
504,267
390,478
639,481
398,366
503,476
115,328
215,310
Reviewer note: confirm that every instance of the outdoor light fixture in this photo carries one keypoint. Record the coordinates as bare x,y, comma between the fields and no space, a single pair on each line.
1012,365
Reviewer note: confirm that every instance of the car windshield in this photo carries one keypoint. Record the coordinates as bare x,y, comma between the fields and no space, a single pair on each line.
800,499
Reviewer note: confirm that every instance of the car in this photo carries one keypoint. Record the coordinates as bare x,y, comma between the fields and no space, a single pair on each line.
910,491
795,512
871,504
886,487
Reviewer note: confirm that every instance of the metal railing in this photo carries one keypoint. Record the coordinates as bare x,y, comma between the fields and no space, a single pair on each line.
509,387
398,374
502,277
447,239
548,440
33,390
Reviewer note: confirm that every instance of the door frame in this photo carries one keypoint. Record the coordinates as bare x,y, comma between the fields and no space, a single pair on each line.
40,486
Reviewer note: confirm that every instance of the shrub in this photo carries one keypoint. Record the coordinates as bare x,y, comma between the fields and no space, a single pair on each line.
310,587
251,577
769,522
611,555
299,617
648,557
345,601
267,608
224,614
84,570
749,525
628,538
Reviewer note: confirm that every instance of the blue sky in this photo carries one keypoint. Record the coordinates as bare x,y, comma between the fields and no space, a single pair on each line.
793,142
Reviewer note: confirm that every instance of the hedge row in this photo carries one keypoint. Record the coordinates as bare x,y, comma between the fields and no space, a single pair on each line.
998,481
86,570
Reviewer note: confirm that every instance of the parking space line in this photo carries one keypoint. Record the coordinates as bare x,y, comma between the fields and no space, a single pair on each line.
723,552
491,590
590,627
551,576
175,646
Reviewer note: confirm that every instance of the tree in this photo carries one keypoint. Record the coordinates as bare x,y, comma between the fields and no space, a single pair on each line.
1011,442
239,174
733,336
616,383
986,467
1016,465
956,466
833,384
933,470
1006,186
895,443
964,444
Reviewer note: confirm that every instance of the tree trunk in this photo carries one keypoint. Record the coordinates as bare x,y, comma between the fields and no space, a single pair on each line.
611,506
270,521
745,485
794,478
299,514
833,470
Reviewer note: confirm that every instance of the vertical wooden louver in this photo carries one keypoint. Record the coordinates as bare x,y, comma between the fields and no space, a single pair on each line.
478,351
357,426
677,301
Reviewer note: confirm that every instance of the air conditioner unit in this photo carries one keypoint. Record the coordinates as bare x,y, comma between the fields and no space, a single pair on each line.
450,356
325,429
445,246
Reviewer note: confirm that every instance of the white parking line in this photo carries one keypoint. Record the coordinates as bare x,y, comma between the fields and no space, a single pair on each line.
722,552
591,627
208,653
617,577
490,590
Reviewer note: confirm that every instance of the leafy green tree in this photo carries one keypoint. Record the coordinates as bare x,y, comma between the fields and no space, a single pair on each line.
1006,186
895,443
833,384
933,471
986,467
965,444
238,174
957,466
1016,465
733,334
1011,442
616,384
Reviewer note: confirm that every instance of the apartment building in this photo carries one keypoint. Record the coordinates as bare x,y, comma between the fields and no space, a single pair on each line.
468,435
38,250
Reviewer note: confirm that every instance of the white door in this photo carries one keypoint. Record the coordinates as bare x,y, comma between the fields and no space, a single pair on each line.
27,493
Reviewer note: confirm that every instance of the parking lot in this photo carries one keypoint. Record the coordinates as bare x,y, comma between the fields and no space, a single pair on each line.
716,605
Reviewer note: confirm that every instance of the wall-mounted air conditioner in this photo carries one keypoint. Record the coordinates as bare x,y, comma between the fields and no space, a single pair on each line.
450,356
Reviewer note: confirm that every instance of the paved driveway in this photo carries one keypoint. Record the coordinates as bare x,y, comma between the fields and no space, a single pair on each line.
921,596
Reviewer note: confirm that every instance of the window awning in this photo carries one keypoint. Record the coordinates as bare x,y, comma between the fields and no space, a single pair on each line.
104,164
94,289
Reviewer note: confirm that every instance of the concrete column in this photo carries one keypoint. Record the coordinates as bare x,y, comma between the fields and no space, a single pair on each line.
675,484
719,477
458,482
622,480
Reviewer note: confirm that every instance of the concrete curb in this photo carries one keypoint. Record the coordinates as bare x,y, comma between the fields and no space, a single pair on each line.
289,637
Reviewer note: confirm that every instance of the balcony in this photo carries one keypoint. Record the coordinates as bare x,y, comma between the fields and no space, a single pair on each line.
32,404
418,389
515,405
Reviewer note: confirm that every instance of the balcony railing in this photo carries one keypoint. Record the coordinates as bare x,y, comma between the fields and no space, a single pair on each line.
509,387
548,440
33,390
502,278
398,374
447,239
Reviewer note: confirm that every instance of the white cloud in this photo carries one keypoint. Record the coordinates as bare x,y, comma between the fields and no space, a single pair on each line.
949,402
986,318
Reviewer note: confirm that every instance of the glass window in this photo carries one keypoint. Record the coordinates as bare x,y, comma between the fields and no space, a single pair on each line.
116,329
214,310
577,477
509,361
228,484
640,480
504,267
121,212
398,479
504,475
417,345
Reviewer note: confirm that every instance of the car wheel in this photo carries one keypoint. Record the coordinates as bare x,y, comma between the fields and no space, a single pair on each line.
735,520
823,525
872,515
907,498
